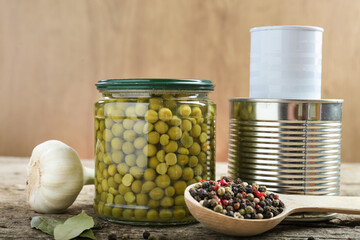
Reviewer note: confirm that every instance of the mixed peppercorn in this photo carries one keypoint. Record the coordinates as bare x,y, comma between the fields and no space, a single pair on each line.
237,199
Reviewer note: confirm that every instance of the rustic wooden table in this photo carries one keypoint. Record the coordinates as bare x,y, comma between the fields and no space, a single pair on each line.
15,214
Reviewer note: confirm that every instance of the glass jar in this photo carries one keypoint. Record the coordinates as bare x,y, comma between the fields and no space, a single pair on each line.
153,138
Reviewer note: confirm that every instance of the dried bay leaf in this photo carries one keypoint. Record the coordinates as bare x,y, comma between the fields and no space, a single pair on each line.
73,226
45,224
88,234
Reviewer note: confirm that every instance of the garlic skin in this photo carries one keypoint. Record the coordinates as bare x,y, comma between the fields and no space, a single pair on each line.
55,177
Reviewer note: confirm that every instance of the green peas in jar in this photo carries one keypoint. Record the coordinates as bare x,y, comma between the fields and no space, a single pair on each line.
153,138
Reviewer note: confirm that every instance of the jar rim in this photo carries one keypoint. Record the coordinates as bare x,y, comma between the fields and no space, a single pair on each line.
154,84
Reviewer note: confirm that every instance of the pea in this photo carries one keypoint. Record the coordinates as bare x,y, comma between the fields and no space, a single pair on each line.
122,168
183,150
193,161
196,112
129,197
107,211
171,147
141,161
99,135
161,127
204,127
117,156
157,193
123,189
195,149
101,166
130,160
119,200
127,180
164,139
142,199
198,170
116,143
202,137
184,110
180,187
170,159
200,120
107,135
186,140
183,159
175,121
175,133
140,214
112,170
105,173
137,172
179,213
153,137
165,213
129,135
167,202
165,114
104,185
128,213
111,182
116,212
110,198
149,174
153,162
139,126
96,124
152,215
140,109
196,131
175,172
136,186
148,186
103,196
198,178
99,188
128,148
186,125
151,116
155,103
100,207
107,159
160,155
148,127
170,191
150,150
153,203
161,168
188,173
202,157
180,200
162,181
102,125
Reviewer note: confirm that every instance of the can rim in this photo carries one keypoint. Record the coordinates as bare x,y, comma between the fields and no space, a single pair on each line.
287,27
278,100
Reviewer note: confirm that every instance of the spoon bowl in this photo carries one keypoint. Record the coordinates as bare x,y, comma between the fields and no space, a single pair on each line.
249,227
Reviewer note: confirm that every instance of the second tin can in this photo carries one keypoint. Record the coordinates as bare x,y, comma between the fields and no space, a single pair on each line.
291,146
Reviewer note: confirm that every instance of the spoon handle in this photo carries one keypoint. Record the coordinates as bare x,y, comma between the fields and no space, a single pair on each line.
338,204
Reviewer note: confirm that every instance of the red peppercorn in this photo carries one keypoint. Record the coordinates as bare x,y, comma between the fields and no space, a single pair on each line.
219,200
257,206
216,187
225,202
202,181
223,182
276,196
257,194
244,194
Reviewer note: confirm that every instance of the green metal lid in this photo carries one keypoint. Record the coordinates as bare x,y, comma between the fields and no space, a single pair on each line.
154,84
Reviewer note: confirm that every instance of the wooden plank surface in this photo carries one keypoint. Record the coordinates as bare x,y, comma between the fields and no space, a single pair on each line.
15,214
52,53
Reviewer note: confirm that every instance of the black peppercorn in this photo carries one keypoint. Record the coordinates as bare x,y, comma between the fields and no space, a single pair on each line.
146,234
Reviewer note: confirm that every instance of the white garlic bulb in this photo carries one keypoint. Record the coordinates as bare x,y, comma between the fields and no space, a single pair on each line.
55,177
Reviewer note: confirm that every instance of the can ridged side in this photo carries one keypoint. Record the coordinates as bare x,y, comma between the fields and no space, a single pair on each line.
299,155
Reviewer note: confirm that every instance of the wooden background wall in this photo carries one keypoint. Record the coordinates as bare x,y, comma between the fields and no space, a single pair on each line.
53,52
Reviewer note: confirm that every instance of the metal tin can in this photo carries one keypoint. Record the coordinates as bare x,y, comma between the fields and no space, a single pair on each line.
291,146
153,138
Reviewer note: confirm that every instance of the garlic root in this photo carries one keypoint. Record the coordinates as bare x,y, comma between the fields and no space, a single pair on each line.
55,177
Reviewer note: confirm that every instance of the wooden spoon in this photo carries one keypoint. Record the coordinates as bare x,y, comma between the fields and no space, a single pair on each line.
293,203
